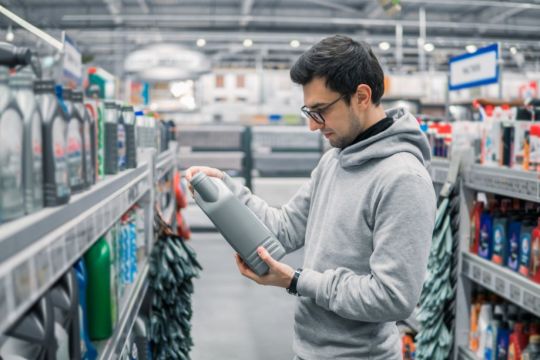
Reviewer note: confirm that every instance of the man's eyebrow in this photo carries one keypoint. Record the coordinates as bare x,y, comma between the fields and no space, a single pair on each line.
316,105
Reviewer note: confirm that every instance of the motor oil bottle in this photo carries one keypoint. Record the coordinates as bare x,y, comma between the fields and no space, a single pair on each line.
128,117
240,227
74,144
514,236
476,216
11,152
122,153
527,231
534,266
485,244
111,138
88,168
22,86
95,110
55,172
500,234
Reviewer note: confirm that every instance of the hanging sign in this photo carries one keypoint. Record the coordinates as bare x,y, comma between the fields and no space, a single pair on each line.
476,69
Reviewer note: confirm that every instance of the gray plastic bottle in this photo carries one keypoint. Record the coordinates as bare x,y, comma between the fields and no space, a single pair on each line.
56,189
74,140
128,117
11,153
240,227
111,138
22,87
88,169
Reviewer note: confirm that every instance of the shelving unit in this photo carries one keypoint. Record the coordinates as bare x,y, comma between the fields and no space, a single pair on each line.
502,281
439,170
39,248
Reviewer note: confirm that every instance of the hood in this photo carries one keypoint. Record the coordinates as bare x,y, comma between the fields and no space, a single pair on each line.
403,136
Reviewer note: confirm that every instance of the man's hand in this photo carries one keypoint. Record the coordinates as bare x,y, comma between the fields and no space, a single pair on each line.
205,169
280,274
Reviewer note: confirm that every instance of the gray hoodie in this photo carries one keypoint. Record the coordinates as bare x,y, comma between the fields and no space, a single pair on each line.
366,218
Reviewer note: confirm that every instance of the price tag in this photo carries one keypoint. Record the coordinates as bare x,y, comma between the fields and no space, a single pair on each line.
58,255
486,278
3,299
528,300
89,223
532,188
476,273
515,294
22,283
43,267
500,286
71,245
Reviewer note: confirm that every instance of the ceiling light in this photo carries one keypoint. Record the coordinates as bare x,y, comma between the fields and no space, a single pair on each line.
384,46
248,42
471,48
429,47
295,43
10,35
201,42
513,50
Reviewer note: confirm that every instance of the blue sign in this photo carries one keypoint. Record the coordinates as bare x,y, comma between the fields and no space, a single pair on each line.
476,69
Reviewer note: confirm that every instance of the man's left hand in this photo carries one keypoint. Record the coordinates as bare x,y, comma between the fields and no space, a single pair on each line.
280,274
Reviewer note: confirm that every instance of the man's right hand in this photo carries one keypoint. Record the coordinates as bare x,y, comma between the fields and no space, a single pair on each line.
205,169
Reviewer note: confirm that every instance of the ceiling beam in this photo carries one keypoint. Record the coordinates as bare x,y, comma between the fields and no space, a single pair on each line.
483,3
333,5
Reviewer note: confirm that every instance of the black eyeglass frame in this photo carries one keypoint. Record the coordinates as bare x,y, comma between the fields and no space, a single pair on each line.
316,115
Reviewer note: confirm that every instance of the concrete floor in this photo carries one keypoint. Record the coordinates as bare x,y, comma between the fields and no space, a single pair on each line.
234,318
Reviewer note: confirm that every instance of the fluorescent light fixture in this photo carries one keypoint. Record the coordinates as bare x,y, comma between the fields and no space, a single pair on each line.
201,42
384,45
471,48
248,43
513,50
295,43
429,47
10,35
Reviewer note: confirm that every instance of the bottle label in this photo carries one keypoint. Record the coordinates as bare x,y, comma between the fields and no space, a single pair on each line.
498,243
11,162
88,152
37,151
74,153
525,256
122,160
60,164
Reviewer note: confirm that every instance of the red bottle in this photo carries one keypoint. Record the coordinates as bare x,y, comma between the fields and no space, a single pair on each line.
475,226
518,342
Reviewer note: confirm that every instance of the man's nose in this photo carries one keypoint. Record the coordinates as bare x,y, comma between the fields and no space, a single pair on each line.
314,126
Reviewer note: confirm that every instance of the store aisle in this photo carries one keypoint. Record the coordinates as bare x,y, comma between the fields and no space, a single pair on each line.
234,318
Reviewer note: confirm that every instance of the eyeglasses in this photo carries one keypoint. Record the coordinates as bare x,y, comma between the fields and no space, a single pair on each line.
316,115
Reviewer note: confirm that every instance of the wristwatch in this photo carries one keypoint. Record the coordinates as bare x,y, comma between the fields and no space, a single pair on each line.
292,288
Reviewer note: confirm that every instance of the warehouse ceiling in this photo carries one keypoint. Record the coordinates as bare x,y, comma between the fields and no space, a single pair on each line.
280,30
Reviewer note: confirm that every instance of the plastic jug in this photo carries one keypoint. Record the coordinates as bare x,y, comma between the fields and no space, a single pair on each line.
128,117
240,227
22,87
74,140
84,116
11,152
111,138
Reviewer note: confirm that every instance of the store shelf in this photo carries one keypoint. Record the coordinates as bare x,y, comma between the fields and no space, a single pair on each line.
165,163
114,346
37,249
466,354
439,170
513,183
502,281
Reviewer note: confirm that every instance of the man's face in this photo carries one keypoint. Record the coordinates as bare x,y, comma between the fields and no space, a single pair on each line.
341,125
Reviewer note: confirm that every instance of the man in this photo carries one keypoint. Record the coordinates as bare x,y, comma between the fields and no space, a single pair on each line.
365,217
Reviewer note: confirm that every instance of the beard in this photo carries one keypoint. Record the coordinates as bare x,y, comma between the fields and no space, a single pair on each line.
353,130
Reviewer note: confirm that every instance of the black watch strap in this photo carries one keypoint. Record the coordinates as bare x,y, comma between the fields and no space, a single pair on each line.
294,282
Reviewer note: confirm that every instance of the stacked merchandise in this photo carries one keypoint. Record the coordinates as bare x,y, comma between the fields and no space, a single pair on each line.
82,308
510,136
55,142
173,265
408,346
439,135
499,330
507,232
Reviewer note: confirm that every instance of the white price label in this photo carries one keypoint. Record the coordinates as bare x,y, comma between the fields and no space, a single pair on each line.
58,255
71,245
22,283
515,294
43,268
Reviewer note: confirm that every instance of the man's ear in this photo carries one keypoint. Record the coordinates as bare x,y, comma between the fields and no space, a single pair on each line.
362,97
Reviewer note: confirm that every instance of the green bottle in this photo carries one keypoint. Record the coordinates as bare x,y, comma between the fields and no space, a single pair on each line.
99,297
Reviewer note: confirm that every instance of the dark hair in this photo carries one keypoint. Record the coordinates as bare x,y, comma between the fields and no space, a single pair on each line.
344,63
